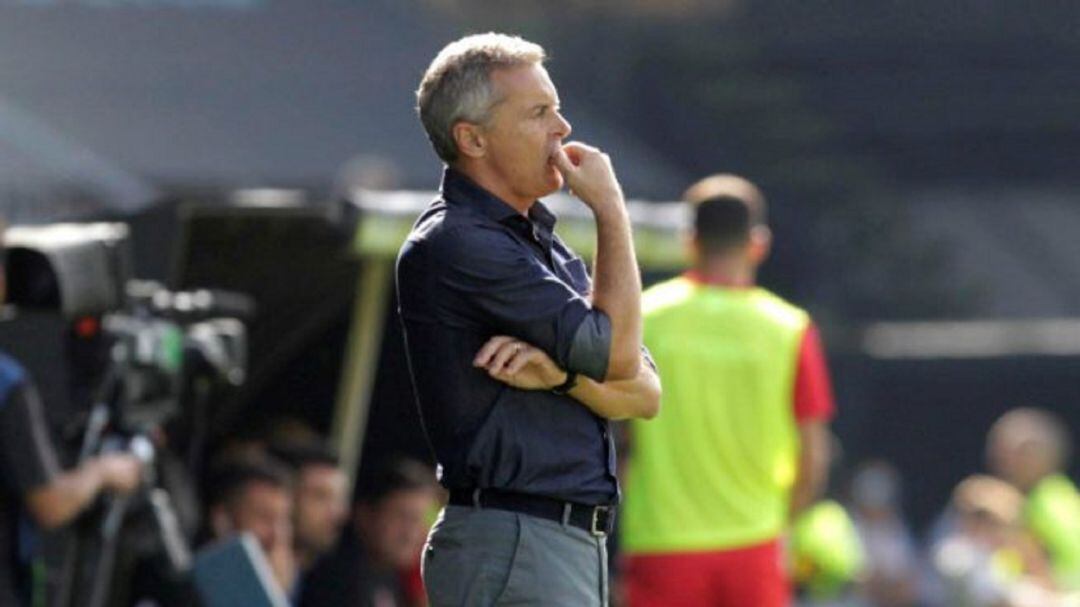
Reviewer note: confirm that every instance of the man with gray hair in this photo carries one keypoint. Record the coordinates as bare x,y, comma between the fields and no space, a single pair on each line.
518,359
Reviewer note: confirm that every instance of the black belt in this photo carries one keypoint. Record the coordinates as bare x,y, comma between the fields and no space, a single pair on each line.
597,520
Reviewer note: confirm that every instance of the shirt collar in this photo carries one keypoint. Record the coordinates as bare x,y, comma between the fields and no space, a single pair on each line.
456,188
542,216
698,278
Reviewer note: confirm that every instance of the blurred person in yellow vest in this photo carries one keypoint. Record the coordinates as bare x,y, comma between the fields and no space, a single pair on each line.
742,445
987,559
827,555
1029,448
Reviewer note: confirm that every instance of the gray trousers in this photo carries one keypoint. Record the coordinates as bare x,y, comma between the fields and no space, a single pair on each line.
483,557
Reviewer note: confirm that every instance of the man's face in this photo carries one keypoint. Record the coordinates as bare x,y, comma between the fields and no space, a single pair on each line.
396,527
265,511
524,131
984,530
1019,460
320,507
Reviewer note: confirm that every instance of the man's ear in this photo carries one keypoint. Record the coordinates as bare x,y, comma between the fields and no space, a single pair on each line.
470,139
760,244
691,245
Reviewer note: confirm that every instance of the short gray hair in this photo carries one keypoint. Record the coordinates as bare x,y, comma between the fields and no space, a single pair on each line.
457,84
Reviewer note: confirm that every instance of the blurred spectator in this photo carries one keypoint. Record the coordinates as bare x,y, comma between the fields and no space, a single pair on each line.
987,560
253,495
827,556
321,504
1030,449
825,552
289,430
891,575
390,522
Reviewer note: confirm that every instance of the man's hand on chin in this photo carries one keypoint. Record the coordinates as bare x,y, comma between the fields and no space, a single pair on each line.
518,364
588,173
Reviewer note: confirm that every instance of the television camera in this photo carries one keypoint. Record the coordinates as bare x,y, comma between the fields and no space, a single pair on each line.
162,353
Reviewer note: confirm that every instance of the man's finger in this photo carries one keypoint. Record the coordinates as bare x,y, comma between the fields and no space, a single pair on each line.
499,375
502,374
518,362
489,349
577,148
563,162
506,351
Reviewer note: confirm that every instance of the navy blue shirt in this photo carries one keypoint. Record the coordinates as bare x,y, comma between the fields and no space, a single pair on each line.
472,268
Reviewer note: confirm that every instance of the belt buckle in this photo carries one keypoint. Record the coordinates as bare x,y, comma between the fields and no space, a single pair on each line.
594,528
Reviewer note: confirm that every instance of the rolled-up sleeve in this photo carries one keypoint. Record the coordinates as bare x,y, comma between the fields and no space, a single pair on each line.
495,280
590,348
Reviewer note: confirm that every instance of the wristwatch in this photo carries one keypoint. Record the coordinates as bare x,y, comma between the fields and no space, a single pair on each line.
568,385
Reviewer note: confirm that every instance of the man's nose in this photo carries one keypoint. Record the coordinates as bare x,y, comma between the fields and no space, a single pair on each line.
564,127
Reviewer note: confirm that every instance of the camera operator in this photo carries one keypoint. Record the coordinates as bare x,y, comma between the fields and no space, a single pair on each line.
33,488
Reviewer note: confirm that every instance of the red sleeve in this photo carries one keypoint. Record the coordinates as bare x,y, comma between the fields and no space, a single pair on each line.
412,585
813,388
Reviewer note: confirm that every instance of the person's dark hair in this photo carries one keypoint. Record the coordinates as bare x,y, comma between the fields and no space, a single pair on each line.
298,455
393,476
230,477
726,209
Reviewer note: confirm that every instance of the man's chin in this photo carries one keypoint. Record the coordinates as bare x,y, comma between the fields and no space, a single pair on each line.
547,184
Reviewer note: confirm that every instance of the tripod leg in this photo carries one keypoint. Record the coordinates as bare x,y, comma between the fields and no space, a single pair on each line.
68,571
110,535
176,547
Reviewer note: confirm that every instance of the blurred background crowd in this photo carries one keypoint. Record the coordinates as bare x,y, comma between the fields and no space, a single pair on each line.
921,162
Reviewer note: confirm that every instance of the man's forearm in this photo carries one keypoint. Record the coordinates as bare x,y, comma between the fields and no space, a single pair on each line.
68,494
621,399
617,289
813,471
616,283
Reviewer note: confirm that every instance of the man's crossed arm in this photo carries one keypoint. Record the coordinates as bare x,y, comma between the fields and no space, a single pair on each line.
527,367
